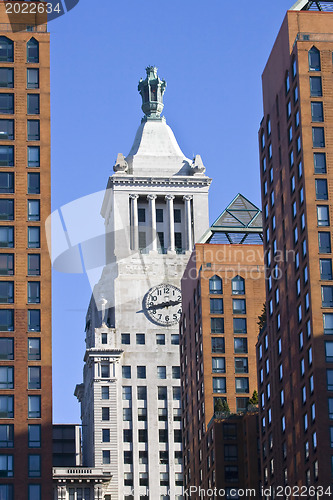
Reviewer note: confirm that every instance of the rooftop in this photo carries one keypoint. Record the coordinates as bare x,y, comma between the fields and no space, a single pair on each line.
314,5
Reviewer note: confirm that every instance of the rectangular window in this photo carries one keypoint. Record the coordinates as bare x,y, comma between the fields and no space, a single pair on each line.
142,414
218,345
6,466
33,183
163,436
6,349
143,435
142,392
34,320
6,209
6,406
217,325
32,78
319,160
242,404
6,377
34,210
323,218
329,352
315,86
216,306
33,104
325,269
321,189
218,365
6,182
160,339
105,392
6,264
176,372
329,380
33,156
177,215
33,237
126,371
106,456
33,292
34,349
219,384
162,393
34,436
159,214
178,241
176,393
6,320
6,436
34,406
7,130
34,264
141,372
317,112
6,292
161,372
6,104
125,338
240,345
6,79
239,306
174,339
106,435
242,384
141,215
241,365
128,457
34,377
33,130
239,325
318,137
324,241
6,237
34,465
140,339
105,414
34,492
6,156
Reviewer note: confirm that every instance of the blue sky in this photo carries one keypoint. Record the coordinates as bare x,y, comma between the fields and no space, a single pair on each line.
211,54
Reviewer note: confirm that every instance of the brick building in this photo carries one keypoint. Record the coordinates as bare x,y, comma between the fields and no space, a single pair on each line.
222,297
25,270
295,351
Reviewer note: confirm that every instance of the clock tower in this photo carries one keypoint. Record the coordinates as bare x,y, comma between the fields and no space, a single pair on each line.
155,209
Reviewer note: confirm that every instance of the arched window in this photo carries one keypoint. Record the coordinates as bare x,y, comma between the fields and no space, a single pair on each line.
314,59
32,51
238,285
6,49
215,285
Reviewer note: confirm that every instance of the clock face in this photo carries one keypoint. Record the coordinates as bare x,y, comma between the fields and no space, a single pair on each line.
162,305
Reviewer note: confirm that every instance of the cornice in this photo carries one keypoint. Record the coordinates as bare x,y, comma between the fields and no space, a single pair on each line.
158,181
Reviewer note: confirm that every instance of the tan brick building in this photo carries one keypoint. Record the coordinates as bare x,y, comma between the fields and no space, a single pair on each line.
296,152
222,297
25,270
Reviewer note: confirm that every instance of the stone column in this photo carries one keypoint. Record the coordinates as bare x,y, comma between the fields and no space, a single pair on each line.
188,222
152,210
169,198
134,221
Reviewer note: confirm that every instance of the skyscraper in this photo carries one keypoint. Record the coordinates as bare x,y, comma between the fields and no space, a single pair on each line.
295,350
25,269
222,295
155,207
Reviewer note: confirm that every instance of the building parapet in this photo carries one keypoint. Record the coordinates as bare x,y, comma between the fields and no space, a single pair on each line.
15,27
314,37
79,473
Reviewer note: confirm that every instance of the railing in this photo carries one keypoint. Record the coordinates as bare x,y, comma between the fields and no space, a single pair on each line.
13,27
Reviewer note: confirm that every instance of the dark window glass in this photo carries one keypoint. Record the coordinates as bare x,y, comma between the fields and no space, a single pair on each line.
159,214
324,240
239,325
218,365
34,349
6,406
6,264
318,137
162,393
125,338
6,237
34,406
141,372
7,130
240,345
163,436
239,306
215,285
6,436
314,59
317,111
319,160
33,292
238,286
32,51
33,183
325,269
33,130
217,325
6,320
321,189
323,218
174,339
33,104
328,323
33,210
241,365
34,320
6,156
34,237
34,436
6,466
34,377
315,86
6,182
216,306
218,345
140,339
6,209
178,241
242,404
177,215
143,436
6,377
32,78
141,214
105,392
6,292
6,104
219,384
34,264
6,49
33,156
160,339
142,392
105,414
6,349
242,384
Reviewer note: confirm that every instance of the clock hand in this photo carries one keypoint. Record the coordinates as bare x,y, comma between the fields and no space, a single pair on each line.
164,304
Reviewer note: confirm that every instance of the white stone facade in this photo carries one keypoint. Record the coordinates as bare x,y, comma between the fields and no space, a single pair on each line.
155,208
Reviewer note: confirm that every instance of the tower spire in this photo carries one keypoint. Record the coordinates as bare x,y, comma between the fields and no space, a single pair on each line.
151,90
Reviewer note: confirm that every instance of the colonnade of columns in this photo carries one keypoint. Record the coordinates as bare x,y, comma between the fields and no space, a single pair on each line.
169,198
